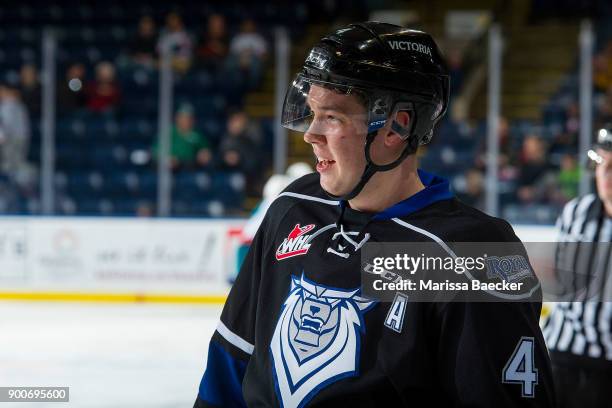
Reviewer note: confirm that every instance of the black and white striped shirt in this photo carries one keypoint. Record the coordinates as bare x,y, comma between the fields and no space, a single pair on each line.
579,330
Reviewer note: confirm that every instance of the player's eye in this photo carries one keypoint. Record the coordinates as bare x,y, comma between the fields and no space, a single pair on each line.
333,119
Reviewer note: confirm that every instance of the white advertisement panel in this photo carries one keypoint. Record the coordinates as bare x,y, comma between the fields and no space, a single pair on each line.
195,257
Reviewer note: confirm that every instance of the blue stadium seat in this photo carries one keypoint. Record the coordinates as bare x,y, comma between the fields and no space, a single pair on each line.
70,157
192,185
138,128
229,188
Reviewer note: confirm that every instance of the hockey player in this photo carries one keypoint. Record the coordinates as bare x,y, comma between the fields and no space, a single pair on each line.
295,330
578,331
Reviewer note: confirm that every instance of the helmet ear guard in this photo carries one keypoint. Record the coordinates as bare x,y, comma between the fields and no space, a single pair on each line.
428,116
422,133
405,132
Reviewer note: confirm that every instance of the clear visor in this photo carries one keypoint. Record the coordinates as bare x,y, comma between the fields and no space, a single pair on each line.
319,107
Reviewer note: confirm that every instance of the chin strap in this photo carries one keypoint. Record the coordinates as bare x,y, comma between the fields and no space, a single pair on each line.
371,167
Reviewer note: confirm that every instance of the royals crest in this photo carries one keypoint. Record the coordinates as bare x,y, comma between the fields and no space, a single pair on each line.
512,268
317,339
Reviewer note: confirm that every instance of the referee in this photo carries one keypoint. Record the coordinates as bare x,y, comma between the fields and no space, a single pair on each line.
578,331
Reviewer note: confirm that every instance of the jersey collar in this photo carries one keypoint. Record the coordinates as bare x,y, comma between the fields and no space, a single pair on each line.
436,189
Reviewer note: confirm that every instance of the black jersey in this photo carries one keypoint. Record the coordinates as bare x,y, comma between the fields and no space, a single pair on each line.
296,332
578,331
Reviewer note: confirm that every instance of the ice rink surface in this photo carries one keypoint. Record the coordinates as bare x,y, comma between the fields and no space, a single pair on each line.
110,355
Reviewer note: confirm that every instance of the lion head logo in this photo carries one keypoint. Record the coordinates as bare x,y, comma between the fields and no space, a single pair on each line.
316,340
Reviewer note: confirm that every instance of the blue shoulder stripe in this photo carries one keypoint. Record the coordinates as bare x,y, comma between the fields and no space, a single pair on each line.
222,381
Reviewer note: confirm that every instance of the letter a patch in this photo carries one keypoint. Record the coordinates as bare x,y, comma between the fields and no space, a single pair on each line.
395,317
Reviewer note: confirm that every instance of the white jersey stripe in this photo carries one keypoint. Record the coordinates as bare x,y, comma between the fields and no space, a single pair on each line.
234,339
581,215
568,326
427,234
606,231
605,317
590,230
555,324
310,198
589,329
568,212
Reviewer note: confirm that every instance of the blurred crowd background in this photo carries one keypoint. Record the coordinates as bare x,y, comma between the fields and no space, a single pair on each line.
223,60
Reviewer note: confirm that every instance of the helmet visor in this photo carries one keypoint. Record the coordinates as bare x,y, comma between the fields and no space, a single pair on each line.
317,106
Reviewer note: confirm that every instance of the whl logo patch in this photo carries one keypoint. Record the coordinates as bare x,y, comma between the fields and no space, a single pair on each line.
296,243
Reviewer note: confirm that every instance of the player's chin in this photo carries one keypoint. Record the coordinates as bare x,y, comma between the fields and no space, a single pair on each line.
334,185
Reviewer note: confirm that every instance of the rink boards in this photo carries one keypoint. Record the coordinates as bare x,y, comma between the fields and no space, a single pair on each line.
118,259
129,259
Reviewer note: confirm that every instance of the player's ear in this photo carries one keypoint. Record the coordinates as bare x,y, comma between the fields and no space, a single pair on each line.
403,118
393,139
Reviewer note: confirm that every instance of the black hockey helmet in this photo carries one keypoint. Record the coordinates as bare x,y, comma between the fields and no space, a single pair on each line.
603,141
604,138
391,68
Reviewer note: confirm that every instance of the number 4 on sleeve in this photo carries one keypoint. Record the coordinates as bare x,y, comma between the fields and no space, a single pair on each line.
520,368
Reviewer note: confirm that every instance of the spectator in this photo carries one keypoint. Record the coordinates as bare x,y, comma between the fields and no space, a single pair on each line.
248,41
602,68
248,50
213,46
455,65
103,94
239,148
572,120
604,114
533,169
507,170
179,42
29,85
143,48
14,132
567,140
187,146
568,179
473,190
240,125
71,90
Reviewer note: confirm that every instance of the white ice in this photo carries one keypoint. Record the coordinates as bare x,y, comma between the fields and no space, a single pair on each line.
110,355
